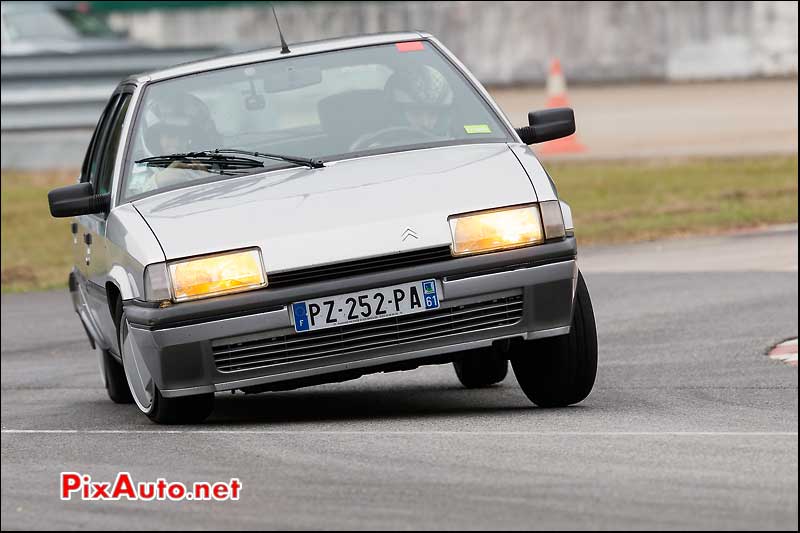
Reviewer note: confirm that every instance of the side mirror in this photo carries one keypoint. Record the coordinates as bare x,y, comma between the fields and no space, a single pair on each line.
548,124
78,199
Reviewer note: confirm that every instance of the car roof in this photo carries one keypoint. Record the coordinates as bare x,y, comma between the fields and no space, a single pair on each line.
266,54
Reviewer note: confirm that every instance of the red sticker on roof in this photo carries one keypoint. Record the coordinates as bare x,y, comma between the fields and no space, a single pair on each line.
411,46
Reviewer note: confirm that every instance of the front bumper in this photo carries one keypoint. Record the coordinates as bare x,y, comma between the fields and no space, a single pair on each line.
181,343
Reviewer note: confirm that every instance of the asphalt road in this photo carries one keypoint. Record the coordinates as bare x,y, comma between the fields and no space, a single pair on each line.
730,118
690,425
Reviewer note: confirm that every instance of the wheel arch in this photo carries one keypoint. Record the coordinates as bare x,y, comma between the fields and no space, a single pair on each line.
113,296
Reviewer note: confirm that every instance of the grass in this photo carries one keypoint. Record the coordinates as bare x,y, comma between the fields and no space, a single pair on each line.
620,201
36,248
644,200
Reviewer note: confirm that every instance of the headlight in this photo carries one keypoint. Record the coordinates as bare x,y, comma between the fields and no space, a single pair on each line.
498,229
218,274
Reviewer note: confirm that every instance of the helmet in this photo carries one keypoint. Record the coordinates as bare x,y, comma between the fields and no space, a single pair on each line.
420,86
184,117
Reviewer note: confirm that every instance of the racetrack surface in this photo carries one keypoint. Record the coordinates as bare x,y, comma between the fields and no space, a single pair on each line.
730,118
690,425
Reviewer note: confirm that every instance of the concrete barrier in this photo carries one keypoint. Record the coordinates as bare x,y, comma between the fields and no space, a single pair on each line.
511,42
49,91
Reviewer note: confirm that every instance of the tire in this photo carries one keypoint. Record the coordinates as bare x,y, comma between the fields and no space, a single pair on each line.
560,371
184,410
145,393
114,378
481,368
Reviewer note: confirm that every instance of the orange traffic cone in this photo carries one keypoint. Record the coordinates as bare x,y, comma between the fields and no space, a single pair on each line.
557,97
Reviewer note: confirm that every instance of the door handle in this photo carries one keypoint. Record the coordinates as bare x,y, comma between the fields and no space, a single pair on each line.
87,238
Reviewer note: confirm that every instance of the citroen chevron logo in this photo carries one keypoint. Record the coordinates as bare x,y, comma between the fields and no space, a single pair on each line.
408,233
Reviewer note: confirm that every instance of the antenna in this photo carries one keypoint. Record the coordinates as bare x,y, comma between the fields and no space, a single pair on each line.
284,46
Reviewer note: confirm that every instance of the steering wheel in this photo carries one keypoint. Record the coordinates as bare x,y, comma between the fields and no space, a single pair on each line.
380,137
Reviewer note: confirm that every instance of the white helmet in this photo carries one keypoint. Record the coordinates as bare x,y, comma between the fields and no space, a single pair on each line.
421,86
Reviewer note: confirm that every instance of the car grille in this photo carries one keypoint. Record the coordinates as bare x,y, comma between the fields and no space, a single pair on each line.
251,354
360,266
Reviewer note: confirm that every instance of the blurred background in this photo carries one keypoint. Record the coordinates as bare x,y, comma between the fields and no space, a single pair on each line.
686,111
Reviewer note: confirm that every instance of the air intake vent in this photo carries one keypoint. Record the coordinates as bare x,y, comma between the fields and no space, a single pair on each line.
232,357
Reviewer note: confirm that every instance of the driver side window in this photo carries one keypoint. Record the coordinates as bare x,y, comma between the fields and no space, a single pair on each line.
92,153
111,147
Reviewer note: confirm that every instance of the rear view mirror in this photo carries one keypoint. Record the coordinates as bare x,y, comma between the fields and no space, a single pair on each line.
78,199
548,124
279,79
254,101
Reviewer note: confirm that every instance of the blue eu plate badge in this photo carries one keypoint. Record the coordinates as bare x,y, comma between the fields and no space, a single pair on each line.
429,293
300,317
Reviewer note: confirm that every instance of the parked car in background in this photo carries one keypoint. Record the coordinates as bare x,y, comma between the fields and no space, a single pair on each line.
283,218
56,27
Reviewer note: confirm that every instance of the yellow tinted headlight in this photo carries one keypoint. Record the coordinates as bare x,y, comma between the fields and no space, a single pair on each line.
498,229
217,274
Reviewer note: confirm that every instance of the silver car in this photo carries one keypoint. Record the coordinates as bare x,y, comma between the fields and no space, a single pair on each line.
284,218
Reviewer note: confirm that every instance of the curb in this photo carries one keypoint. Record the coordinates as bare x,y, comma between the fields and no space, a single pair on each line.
785,352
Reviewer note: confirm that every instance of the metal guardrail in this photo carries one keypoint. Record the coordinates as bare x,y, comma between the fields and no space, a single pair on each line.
46,91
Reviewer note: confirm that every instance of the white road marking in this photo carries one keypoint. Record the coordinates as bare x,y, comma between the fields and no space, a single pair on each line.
403,433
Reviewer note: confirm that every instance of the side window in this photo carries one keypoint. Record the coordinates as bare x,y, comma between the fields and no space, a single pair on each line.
111,147
101,124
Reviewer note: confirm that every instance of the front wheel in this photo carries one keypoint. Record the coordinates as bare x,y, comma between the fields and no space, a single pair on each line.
114,379
183,410
560,371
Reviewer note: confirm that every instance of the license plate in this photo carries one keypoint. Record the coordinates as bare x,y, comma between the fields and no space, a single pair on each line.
363,306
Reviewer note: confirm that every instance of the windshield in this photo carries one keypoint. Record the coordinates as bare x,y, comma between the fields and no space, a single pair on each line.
326,106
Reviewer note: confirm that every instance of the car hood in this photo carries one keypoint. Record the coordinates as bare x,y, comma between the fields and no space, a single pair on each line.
350,209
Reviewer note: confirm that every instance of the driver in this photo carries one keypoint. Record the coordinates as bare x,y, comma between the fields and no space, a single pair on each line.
175,126
424,98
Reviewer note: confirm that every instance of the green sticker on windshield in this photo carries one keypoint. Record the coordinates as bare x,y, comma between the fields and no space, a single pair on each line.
477,128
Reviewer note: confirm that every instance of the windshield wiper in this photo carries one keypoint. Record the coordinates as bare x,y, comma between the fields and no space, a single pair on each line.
305,161
221,158
202,158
